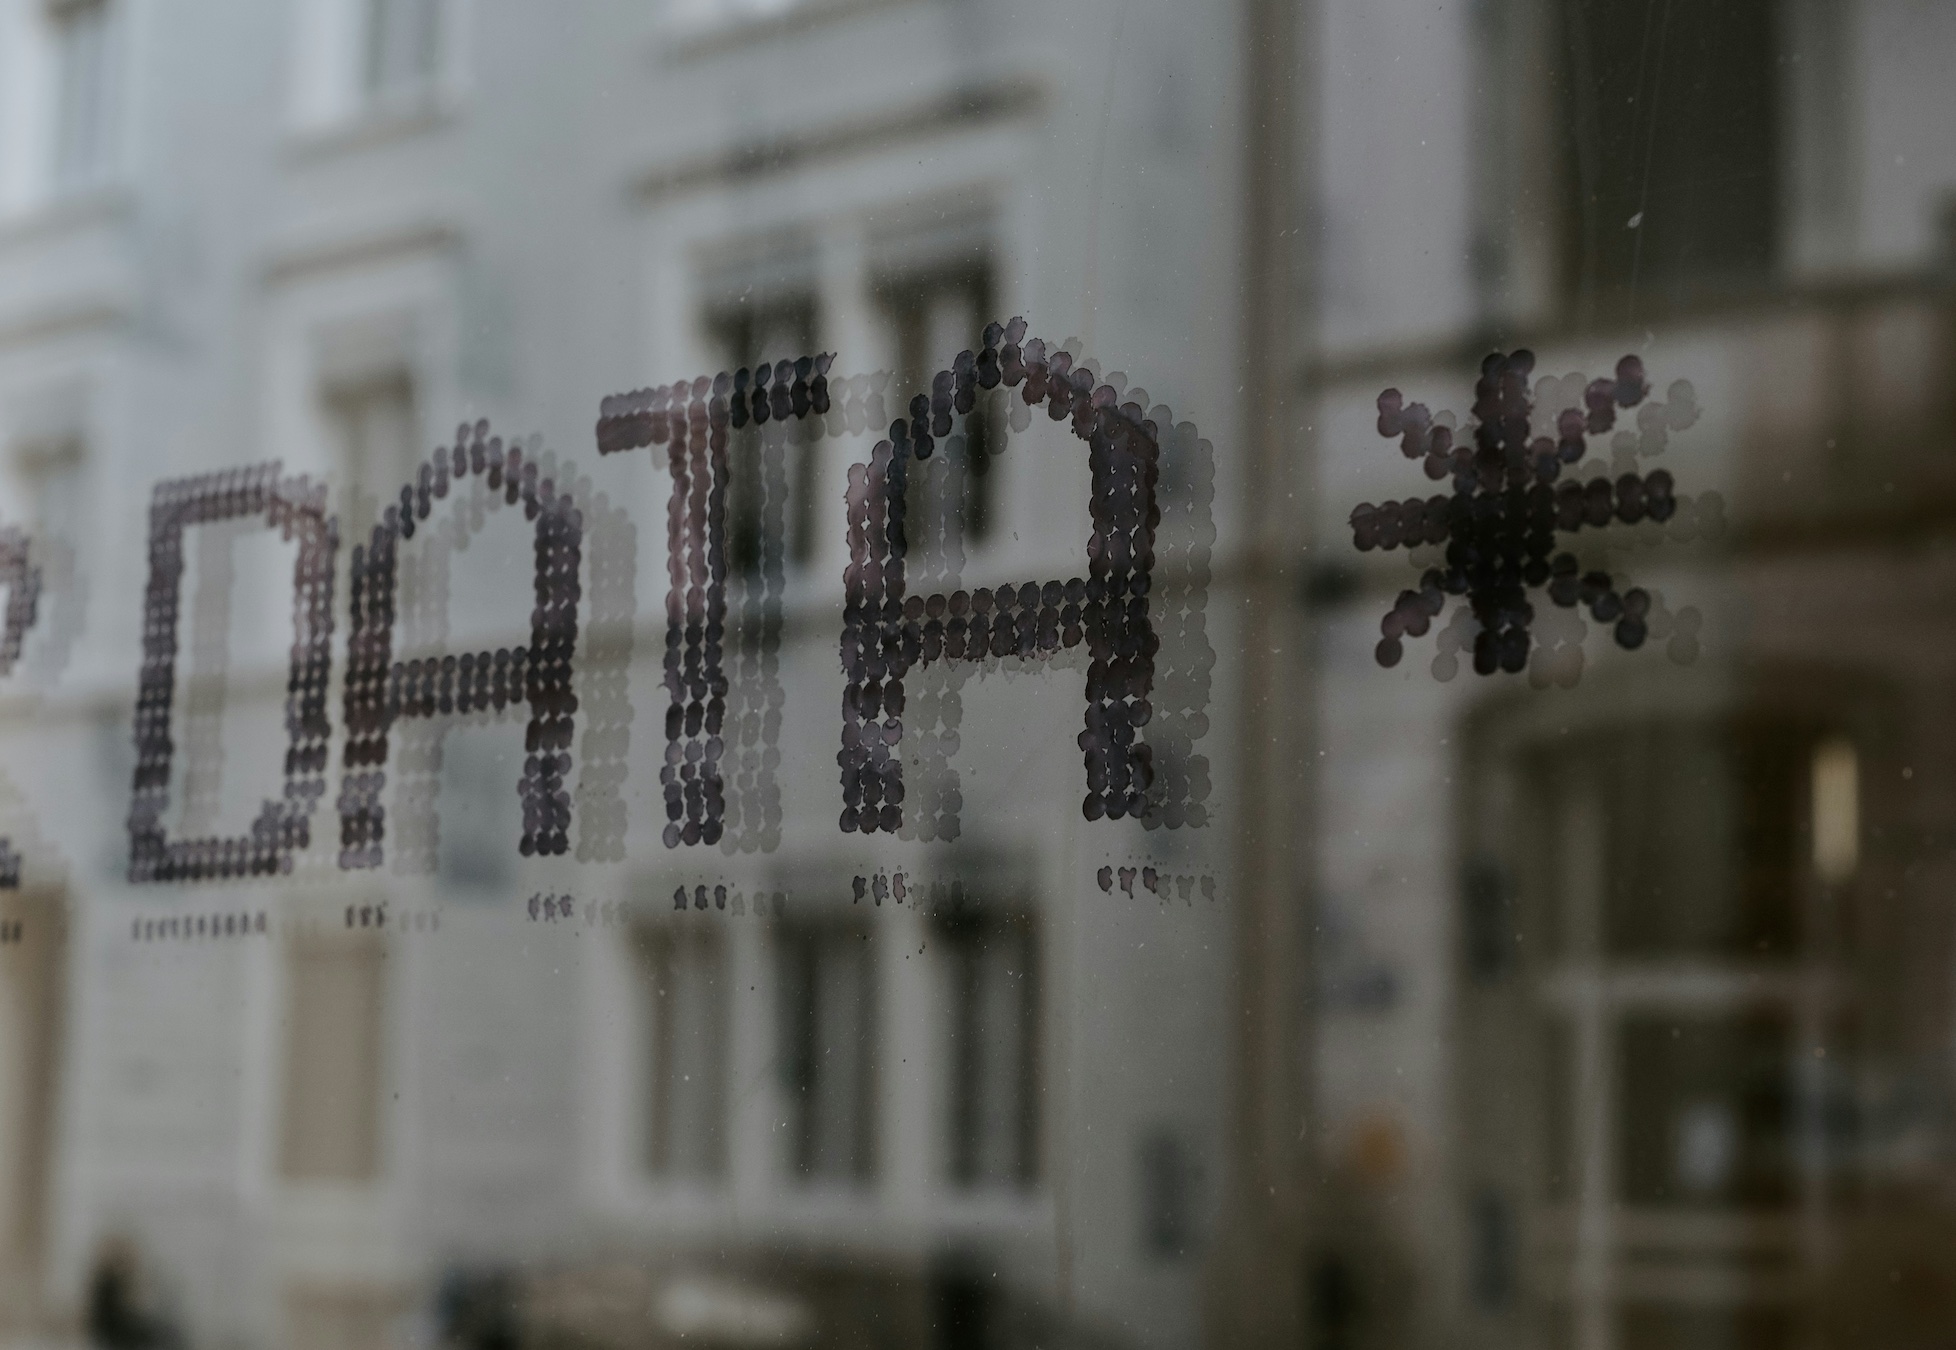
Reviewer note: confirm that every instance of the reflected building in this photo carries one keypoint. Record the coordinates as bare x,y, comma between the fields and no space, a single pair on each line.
936,1089
1630,1028
1600,1006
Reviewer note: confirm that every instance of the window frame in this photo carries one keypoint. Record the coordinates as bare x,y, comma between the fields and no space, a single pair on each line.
797,1058
957,934
1553,1020
662,940
67,173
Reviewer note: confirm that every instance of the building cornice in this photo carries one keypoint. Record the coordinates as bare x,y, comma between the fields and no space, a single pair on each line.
360,247
760,157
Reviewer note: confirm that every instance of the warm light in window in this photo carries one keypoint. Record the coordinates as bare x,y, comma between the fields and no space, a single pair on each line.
1836,810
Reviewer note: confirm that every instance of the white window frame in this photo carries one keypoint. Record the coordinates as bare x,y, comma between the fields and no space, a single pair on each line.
330,90
31,93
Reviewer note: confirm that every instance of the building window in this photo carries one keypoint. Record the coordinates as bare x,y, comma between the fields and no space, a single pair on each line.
1708,1109
372,420
1168,1178
1488,921
933,316
401,49
334,1054
53,473
480,810
992,1061
685,982
1701,842
1670,148
709,13
50,457
771,507
83,36
827,1050
1491,1245
1679,899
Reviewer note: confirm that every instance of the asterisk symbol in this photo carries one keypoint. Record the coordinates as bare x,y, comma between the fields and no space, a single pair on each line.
1510,500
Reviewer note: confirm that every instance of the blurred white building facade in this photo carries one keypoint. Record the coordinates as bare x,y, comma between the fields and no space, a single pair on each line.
326,233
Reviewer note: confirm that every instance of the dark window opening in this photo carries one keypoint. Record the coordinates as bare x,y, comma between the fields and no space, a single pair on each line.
770,504
1168,1184
994,998
686,987
934,316
1703,837
827,1050
1669,131
1489,920
1708,1110
964,1310
1495,1250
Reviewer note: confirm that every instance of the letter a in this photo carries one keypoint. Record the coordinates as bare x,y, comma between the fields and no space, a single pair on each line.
380,689
886,632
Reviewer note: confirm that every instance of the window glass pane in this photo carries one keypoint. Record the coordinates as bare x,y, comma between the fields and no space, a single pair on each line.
767,520
686,989
1709,1111
331,1110
1700,850
1654,204
401,44
992,1063
946,673
827,1051
84,76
